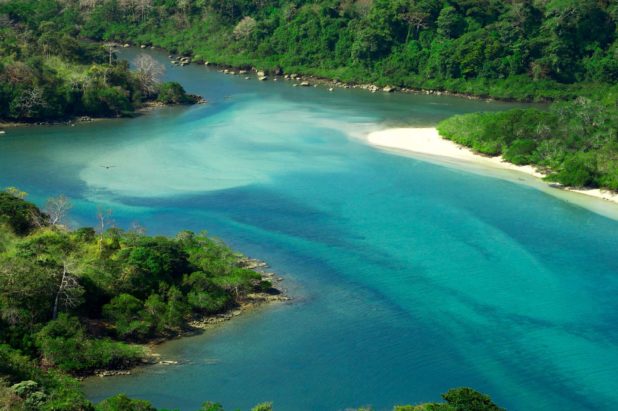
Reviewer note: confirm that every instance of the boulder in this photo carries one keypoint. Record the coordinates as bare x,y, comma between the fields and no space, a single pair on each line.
388,89
305,84
262,78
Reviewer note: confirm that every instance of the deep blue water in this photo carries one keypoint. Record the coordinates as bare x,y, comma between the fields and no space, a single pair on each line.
409,277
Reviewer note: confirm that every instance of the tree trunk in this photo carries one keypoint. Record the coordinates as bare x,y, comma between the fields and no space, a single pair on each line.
60,289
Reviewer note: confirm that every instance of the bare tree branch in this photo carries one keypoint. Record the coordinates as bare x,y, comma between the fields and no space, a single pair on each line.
149,72
70,292
57,209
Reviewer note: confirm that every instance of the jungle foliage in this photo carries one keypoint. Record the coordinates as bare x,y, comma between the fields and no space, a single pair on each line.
76,301
575,142
524,50
48,72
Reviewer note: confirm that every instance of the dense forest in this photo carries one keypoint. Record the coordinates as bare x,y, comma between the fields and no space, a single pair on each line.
48,73
522,49
78,300
575,143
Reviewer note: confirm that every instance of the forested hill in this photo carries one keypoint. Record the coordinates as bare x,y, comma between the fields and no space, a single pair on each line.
49,73
521,49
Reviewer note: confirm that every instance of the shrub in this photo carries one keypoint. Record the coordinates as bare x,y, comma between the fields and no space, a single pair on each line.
121,402
19,214
63,343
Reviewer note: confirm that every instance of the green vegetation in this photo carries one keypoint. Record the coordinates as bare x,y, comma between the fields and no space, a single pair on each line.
47,73
74,301
456,399
575,142
521,50
525,50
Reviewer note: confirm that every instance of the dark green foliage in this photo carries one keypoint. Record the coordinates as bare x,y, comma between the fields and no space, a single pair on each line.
576,142
121,402
51,390
64,293
173,93
519,151
457,399
125,312
64,343
467,399
211,406
579,170
21,216
48,72
121,284
519,50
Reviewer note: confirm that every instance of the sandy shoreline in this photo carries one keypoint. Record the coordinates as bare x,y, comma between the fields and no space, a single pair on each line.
428,144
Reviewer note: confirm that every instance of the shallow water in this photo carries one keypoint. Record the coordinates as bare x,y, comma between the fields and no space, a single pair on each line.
409,278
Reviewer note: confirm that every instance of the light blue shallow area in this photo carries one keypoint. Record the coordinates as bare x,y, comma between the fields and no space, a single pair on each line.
409,278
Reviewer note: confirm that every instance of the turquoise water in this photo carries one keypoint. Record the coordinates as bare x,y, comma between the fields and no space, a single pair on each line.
409,278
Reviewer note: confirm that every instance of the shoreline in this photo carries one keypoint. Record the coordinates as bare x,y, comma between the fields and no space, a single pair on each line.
197,326
426,143
304,79
75,120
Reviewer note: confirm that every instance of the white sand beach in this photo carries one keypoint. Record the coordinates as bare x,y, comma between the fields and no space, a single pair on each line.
427,143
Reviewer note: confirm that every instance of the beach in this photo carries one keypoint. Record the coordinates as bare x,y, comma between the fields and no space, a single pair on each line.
427,143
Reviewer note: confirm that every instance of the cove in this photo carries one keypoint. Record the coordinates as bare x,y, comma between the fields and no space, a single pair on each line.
409,277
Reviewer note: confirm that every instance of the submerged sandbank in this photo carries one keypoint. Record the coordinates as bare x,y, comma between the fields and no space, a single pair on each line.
427,143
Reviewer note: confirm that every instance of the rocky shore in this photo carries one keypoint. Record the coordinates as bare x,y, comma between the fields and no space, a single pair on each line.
250,301
314,81
145,107
301,80
275,294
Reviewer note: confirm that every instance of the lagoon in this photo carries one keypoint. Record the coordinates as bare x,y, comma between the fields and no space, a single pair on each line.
408,277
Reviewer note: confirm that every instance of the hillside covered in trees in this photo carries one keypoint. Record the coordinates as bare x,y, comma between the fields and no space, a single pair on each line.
76,301
520,49
48,73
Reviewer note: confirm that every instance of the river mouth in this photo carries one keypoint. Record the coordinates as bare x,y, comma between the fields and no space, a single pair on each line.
409,277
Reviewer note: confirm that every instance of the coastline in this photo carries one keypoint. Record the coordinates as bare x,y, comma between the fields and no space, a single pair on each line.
146,107
427,143
308,79
198,325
